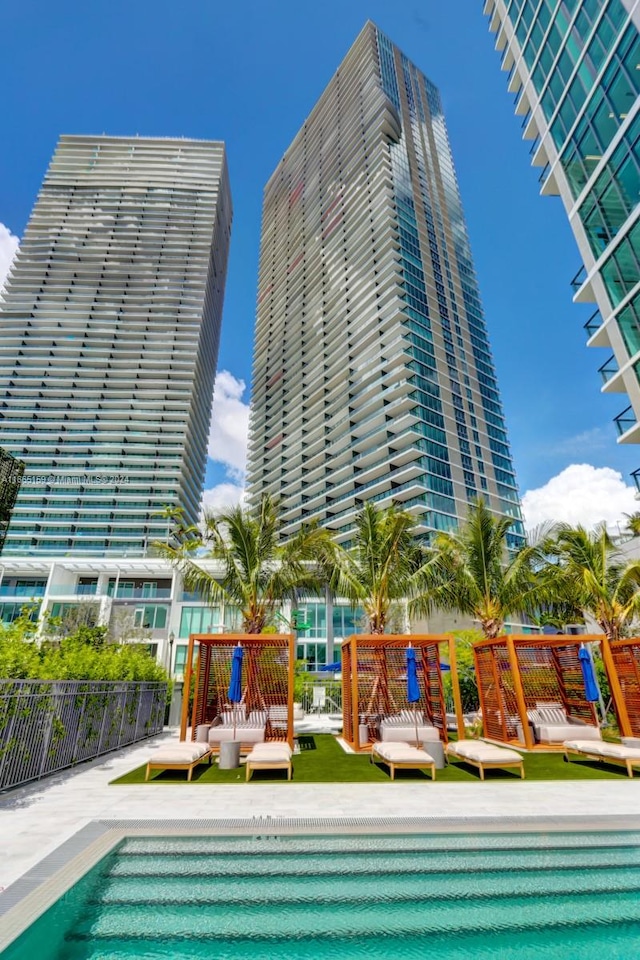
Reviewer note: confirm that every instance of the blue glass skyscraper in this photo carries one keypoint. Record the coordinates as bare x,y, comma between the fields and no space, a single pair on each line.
575,68
373,377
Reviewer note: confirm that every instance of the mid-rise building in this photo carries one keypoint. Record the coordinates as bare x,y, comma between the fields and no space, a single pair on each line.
109,329
574,66
144,600
373,378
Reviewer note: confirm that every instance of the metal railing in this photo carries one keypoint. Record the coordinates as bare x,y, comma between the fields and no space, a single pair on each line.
322,698
47,726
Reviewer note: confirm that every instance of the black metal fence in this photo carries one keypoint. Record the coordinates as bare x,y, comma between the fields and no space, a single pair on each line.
46,726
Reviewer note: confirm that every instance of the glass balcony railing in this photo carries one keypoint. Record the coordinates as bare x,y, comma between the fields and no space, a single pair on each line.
608,369
73,590
579,279
625,420
593,324
139,593
636,478
527,116
545,173
19,590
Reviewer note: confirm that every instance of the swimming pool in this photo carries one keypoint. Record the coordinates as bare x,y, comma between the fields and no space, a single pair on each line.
449,897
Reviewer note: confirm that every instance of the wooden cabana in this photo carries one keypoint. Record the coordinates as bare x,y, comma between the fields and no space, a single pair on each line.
374,683
626,659
267,680
520,674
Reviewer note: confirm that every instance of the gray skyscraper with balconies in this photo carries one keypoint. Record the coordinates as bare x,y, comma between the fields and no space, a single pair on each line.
574,66
109,331
373,377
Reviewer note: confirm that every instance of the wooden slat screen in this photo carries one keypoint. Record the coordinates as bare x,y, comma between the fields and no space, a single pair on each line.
265,678
381,669
626,657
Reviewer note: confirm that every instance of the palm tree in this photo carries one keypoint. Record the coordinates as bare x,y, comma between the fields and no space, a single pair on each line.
473,573
382,567
589,567
633,523
258,569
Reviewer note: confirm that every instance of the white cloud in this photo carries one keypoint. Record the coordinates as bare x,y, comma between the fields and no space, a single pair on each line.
8,247
229,425
581,494
595,439
221,497
228,441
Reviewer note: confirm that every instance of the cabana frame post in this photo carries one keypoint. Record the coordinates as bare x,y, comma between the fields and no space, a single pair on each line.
519,692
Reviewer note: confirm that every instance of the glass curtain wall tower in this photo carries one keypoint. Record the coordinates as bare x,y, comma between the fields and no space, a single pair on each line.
373,378
575,68
109,338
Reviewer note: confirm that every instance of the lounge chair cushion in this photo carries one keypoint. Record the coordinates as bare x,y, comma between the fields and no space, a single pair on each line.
603,749
270,752
181,752
482,752
398,752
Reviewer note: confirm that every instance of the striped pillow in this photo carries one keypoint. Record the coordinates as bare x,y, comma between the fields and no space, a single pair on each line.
553,715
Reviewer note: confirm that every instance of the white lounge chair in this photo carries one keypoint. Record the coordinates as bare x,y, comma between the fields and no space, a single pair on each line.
407,727
629,757
273,755
234,724
178,756
485,756
402,756
551,724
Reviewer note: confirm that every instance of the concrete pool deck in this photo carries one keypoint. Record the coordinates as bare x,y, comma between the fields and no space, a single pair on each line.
37,818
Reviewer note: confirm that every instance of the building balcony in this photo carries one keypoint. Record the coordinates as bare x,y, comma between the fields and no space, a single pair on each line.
581,286
592,326
579,279
81,591
636,479
609,369
626,425
21,592
139,593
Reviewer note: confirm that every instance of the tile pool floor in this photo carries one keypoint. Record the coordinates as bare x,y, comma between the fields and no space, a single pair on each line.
37,818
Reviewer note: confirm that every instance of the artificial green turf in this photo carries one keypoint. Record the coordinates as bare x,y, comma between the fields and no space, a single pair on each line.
322,760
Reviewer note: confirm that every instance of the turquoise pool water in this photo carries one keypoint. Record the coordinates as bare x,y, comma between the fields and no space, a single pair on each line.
453,897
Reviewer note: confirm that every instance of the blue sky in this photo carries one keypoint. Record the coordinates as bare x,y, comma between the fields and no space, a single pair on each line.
249,73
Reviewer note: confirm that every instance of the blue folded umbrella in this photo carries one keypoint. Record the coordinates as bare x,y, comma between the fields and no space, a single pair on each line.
591,690
234,692
413,687
331,667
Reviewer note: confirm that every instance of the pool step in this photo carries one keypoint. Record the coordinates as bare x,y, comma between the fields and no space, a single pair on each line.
377,864
214,891
340,921
592,943
387,843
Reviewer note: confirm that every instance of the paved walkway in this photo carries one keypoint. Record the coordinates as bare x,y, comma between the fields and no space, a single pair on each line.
35,819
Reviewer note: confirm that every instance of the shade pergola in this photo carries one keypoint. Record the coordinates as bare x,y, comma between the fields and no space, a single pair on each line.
516,672
374,680
267,678
626,659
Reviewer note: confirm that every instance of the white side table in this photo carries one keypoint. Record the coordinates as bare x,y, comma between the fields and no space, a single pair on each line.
435,750
229,755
